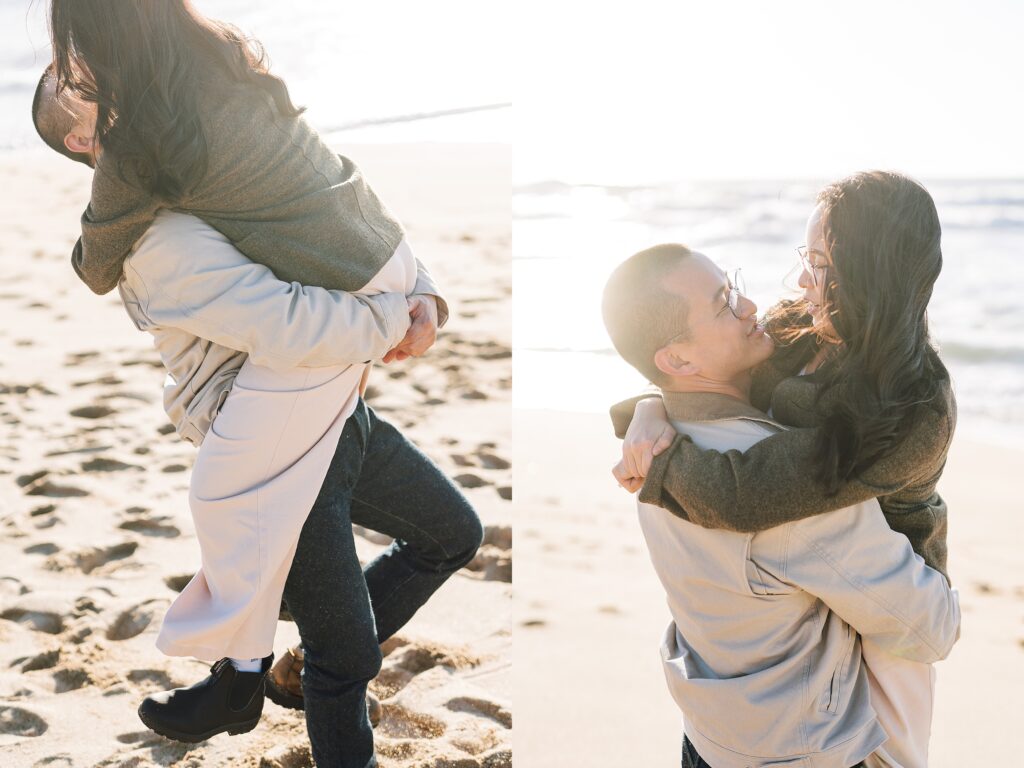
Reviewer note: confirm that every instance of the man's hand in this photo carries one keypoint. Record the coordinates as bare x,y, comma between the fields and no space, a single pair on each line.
626,479
422,331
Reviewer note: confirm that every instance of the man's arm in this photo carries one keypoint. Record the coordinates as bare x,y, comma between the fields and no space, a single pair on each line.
232,301
872,579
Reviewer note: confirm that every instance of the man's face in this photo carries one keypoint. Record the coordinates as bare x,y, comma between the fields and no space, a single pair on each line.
719,345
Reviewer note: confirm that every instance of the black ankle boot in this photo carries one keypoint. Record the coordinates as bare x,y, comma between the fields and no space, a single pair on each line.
226,700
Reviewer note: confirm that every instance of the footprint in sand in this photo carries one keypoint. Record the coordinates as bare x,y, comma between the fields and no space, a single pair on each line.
288,756
70,679
44,548
491,564
481,708
107,465
93,411
15,721
151,526
24,481
404,660
53,490
134,620
87,560
493,561
45,660
148,680
469,480
178,582
108,380
400,723
77,358
492,461
63,760
139,738
49,622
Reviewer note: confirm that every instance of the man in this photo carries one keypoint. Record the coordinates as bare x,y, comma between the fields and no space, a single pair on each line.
236,313
763,652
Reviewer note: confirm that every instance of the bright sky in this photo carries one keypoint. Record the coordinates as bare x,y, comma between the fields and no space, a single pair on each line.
647,91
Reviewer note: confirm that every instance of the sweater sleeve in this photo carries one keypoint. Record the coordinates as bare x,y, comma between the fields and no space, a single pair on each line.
118,215
773,482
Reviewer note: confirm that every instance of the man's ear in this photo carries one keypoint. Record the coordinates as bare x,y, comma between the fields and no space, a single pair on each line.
672,364
77,142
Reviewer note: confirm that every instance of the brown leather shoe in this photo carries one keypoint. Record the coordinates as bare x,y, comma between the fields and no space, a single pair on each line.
284,685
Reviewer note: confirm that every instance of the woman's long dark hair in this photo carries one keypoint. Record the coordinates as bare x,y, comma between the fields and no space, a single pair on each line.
882,237
142,62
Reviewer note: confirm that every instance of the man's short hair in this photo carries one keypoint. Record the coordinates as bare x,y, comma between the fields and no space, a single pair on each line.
640,314
53,119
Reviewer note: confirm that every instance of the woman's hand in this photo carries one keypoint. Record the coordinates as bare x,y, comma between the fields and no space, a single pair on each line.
422,331
649,434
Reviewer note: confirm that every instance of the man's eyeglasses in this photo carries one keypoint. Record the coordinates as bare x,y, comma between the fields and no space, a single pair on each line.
809,267
733,293
736,291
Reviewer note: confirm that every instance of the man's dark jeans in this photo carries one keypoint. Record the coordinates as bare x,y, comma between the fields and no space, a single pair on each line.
379,480
693,760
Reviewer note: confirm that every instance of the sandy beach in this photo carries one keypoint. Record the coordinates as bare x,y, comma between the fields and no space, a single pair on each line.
589,611
96,531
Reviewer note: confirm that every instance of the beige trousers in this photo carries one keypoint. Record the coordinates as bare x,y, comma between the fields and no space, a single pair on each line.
256,477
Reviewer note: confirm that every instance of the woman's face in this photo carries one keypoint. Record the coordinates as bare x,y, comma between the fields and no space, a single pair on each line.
814,284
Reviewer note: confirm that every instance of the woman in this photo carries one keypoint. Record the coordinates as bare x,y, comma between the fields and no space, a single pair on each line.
870,401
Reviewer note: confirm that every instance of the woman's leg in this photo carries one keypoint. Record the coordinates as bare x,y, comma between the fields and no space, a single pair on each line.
402,493
328,598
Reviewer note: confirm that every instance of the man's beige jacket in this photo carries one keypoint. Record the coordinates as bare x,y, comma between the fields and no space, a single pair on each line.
209,308
763,653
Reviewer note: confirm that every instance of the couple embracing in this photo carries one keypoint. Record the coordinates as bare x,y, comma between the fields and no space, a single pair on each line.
787,472
271,277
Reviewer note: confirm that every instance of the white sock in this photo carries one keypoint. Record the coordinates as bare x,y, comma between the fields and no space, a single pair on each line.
247,665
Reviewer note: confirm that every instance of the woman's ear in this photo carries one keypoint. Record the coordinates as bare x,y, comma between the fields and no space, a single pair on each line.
672,364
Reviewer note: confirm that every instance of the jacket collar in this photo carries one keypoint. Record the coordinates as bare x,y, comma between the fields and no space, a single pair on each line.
710,406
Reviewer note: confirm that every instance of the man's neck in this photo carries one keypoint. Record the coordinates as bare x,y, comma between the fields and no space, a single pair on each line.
738,387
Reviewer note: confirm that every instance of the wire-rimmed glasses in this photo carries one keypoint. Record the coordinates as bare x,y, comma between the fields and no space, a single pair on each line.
734,292
808,266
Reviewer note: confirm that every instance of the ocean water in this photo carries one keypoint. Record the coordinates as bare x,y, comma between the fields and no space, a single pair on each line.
367,72
568,238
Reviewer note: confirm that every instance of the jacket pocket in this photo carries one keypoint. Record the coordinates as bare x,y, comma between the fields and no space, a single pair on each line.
831,696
